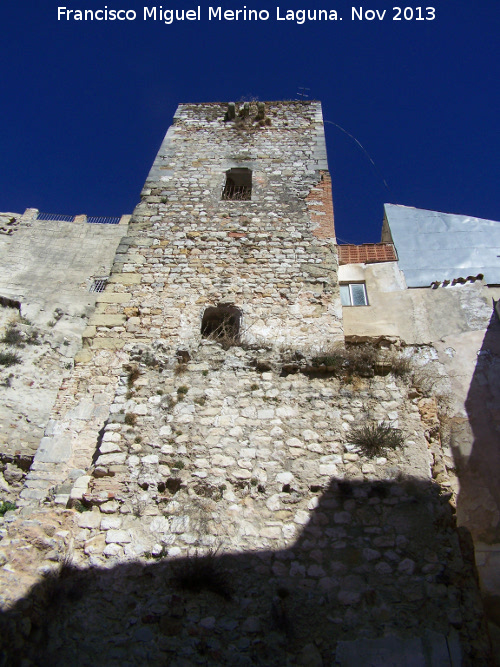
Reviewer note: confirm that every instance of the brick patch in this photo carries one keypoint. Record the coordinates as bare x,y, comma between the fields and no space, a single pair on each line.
368,253
320,205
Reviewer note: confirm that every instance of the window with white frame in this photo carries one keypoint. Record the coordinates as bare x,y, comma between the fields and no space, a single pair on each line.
353,294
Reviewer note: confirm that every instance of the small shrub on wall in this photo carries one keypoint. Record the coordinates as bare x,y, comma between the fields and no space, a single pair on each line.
354,360
9,358
375,438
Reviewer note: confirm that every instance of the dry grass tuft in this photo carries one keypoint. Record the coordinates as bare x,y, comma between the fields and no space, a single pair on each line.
375,438
203,573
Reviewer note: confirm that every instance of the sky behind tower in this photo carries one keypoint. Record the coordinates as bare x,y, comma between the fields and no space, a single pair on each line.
85,104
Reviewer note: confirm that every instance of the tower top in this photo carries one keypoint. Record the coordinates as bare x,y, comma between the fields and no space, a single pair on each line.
254,127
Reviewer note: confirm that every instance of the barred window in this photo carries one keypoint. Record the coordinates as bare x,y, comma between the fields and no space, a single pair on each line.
98,285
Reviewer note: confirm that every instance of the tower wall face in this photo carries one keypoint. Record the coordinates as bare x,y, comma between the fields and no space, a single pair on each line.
272,256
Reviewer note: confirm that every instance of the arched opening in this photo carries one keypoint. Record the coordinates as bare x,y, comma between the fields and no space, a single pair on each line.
238,186
222,323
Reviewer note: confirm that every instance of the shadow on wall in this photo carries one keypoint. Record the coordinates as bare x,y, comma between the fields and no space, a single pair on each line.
478,504
377,576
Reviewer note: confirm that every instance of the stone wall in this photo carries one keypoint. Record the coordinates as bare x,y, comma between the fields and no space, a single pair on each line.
202,492
187,249
46,270
49,264
230,519
458,328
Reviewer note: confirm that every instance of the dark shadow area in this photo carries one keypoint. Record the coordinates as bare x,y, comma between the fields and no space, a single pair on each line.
476,448
375,564
221,323
10,303
238,185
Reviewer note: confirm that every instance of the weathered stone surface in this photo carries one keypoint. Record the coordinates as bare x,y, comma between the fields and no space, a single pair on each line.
242,455
118,536
89,519
108,343
110,523
54,449
103,320
113,297
111,459
125,278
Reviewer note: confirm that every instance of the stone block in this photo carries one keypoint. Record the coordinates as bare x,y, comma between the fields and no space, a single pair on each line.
103,320
125,278
109,448
108,343
89,519
159,525
83,356
301,517
111,523
271,532
328,469
113,297
80,487
111,459
33,494
82,482
56,449
241,474
113,550
118,536
62,499
110,507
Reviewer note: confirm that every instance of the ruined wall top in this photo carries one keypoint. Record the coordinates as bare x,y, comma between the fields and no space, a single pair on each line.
288,119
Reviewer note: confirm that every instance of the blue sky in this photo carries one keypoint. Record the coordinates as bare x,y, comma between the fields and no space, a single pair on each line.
85,105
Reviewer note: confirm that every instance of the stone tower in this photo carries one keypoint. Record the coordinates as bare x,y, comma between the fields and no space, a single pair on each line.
236,210
234,235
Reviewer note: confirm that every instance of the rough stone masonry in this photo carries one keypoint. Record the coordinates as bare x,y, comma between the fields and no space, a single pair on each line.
198,496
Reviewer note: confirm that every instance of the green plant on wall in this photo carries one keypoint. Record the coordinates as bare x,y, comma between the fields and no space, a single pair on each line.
13,337
375,438
6,506
9,358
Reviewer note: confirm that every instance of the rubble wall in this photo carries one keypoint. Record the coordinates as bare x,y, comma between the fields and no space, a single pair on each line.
230,518
458,326
203,495
188,249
